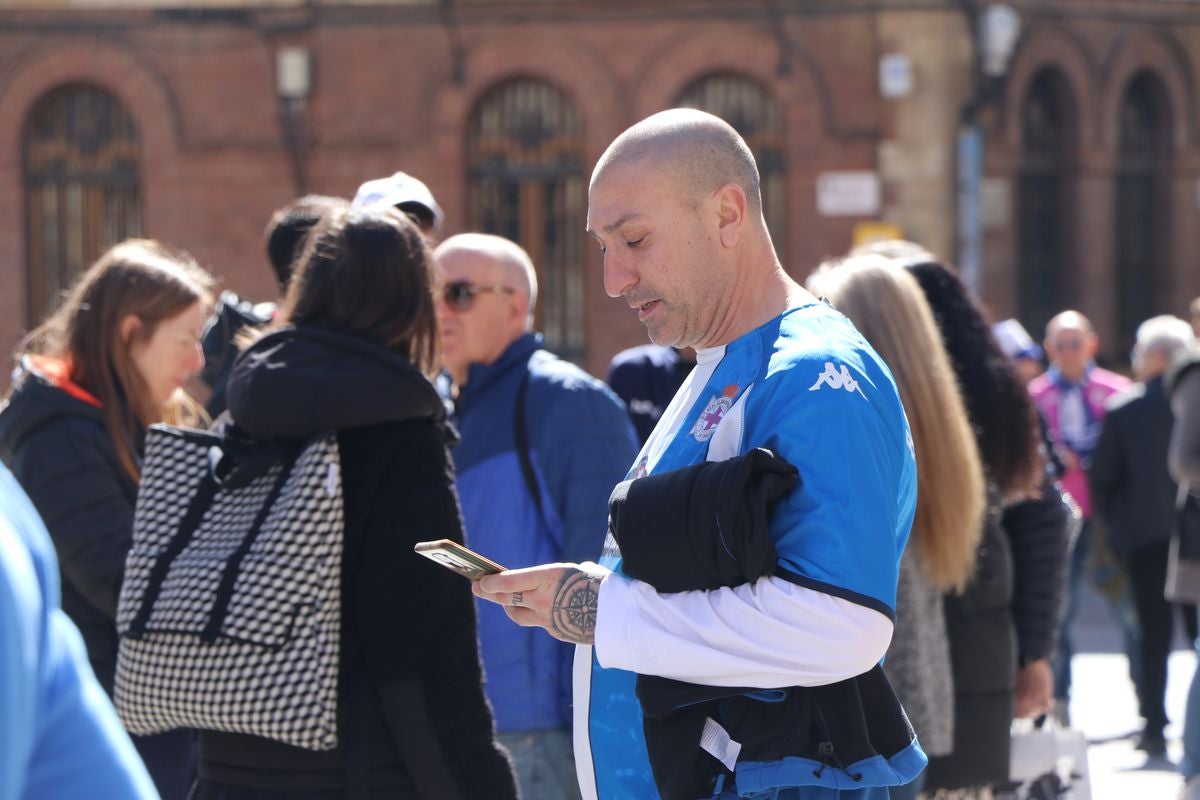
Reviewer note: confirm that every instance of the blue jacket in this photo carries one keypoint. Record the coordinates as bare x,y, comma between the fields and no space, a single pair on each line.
581,444
59,735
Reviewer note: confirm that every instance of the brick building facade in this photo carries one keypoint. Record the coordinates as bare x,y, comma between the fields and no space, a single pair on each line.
1090,154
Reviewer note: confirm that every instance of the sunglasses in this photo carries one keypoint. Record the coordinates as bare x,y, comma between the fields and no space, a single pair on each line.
460,295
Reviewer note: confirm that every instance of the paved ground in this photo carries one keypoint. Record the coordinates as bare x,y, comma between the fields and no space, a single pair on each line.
1104,707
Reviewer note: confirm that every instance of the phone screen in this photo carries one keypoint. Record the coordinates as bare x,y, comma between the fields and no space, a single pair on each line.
454,556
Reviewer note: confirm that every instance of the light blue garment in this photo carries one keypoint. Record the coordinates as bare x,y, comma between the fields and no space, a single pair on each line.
807,386
59,735
1190,765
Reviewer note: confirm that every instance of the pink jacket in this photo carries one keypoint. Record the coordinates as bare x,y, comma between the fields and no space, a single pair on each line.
1047,392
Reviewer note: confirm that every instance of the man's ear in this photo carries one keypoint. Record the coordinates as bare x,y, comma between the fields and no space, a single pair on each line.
520,312
731,213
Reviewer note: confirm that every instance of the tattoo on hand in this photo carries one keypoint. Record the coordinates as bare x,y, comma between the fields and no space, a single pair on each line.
573,612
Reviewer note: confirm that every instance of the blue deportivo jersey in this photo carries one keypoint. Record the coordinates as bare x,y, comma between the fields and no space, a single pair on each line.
807,386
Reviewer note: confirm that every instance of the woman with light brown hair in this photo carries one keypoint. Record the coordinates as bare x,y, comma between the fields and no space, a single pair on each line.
887,306
110,362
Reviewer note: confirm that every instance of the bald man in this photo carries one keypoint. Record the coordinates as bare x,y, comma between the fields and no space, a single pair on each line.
1072,396
543,444
674,205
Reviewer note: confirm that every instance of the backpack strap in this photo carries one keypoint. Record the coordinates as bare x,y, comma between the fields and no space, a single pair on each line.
522,437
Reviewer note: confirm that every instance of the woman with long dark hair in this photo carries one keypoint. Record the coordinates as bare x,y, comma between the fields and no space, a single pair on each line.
1003,627
351,351
110,362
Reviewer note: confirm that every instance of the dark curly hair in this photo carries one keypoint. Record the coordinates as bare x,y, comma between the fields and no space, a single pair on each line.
998,404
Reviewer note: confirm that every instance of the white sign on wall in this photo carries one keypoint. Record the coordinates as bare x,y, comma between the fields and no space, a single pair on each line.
848,194
895,76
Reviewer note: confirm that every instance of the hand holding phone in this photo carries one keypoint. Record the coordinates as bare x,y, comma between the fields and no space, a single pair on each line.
454,556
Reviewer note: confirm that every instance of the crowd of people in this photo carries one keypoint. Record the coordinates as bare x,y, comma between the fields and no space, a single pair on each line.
814,542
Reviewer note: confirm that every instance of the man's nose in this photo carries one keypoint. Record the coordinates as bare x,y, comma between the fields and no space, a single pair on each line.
618,278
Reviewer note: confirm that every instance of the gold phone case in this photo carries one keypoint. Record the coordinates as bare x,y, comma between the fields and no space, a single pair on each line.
454,556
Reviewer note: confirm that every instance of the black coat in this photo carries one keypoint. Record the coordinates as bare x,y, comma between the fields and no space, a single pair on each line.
1008,614
411,706
1131,487
983,654
58,447
1040,532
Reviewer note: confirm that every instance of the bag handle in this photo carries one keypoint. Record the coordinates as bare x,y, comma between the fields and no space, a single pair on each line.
182,538
233,565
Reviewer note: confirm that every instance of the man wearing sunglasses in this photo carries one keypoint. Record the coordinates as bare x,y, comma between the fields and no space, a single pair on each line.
1071,396
543,445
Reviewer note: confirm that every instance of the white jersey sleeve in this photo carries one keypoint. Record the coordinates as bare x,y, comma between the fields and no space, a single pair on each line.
768,634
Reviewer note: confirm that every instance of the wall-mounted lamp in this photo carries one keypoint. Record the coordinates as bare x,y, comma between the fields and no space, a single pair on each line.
293,72
999,28
293,84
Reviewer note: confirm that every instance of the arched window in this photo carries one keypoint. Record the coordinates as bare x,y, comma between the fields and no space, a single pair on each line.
81,186
1143,175
1045,187
747,106
525,173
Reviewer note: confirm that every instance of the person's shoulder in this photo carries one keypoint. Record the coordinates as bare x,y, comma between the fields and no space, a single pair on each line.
1125,401
1185,364
68,433
395,434
1111,382
818,346
1040,385
644,356
567,400
551,373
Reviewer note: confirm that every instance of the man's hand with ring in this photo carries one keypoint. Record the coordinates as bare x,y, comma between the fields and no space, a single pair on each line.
562,598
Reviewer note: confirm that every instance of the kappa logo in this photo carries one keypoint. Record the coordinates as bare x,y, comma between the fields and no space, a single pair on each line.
836,379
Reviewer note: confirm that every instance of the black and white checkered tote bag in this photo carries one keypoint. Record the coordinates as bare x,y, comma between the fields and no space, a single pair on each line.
230,612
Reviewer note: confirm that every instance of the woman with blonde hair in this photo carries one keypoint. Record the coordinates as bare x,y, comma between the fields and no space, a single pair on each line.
889,309
110,362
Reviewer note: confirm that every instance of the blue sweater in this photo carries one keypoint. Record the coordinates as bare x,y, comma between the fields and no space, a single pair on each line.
581,443
59,735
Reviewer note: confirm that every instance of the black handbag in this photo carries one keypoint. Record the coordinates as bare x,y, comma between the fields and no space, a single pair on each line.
1183,562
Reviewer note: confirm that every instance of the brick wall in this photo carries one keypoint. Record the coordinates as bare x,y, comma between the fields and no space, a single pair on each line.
395,84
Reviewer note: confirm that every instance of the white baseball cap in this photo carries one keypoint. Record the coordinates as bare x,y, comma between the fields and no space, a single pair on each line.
403,191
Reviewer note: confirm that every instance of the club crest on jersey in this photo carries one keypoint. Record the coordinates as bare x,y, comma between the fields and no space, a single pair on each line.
836,379
714,412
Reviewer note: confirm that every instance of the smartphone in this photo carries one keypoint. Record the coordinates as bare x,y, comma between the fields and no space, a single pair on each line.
454,556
